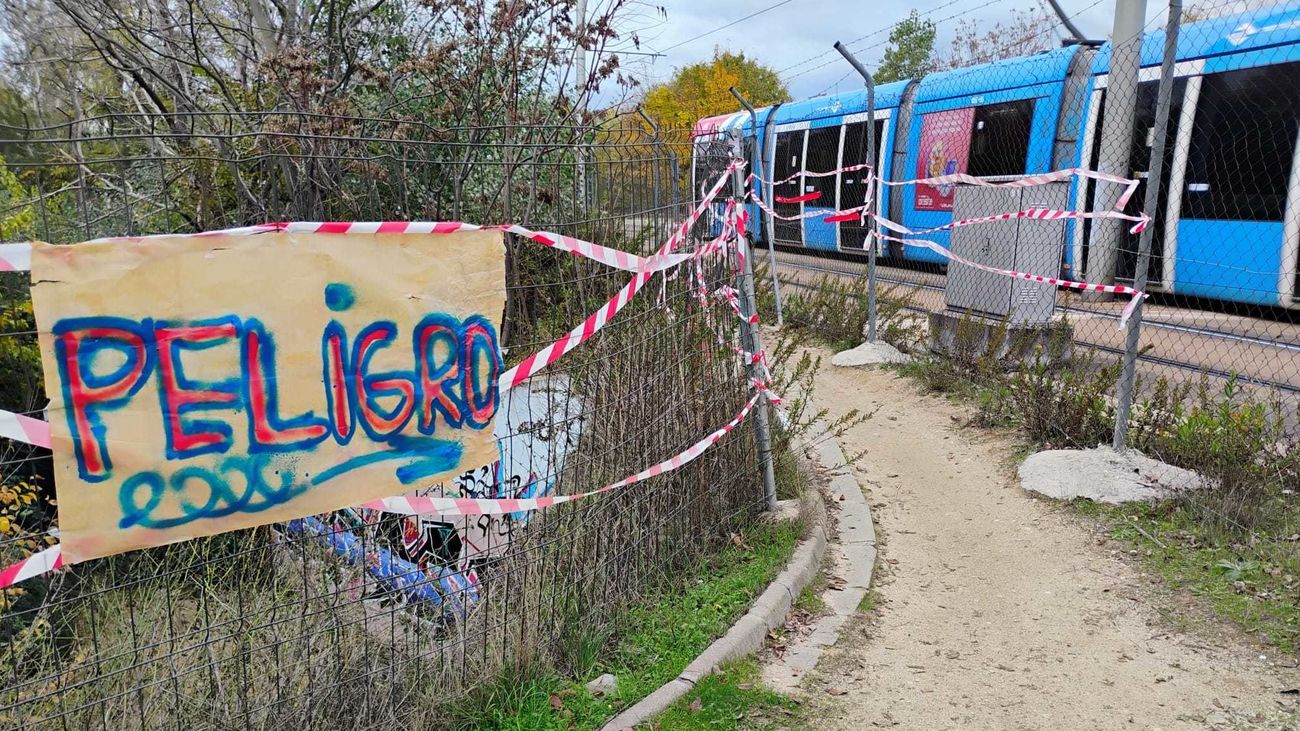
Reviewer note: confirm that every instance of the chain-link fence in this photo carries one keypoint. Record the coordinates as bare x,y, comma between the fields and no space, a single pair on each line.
1223,238
359,618
1215,349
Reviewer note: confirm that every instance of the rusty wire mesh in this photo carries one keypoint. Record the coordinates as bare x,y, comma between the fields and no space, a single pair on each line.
358,619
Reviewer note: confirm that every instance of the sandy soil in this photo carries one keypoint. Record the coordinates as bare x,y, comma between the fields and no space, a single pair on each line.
1001,611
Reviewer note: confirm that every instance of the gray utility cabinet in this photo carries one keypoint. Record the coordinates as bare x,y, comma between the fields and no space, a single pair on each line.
1023,244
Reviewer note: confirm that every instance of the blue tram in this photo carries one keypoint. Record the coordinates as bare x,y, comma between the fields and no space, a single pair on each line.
1227,224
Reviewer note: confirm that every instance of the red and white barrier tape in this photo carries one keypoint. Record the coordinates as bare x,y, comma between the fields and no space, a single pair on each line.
1130,184
805,198
52,558
1083,286
15,257
41,562
416,505
25,429
732,298
819,213
826,174
612,257
534,363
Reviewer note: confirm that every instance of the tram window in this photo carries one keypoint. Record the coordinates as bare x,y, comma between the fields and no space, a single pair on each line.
823,154
1242,144
999,144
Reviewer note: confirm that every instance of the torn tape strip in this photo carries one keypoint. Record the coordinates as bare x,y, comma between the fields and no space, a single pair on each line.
805,198
536,362
15,257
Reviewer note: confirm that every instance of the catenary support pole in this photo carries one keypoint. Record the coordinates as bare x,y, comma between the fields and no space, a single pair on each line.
580,90
1116,138
1065,20
757,166
871,158
749,332
1164,96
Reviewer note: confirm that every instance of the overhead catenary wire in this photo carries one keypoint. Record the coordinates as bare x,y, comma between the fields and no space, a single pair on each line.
878,44
841,79
707,33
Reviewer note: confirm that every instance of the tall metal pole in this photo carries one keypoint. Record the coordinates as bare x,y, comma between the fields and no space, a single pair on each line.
871,159
1164,96
1116,136
749,334
580,98
758,170
1065,20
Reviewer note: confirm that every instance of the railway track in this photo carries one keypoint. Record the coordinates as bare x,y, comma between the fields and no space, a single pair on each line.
1268,362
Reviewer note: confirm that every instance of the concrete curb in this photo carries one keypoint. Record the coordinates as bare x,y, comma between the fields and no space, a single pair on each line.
852,558
748,634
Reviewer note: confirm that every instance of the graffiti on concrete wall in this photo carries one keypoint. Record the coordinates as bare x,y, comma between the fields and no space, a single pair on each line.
435,561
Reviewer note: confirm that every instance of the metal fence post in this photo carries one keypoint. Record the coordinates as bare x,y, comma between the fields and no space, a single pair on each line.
871,160
749,333
758,170
654,142
1163,97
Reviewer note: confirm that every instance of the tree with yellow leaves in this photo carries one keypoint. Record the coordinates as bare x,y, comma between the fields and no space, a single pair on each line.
701,90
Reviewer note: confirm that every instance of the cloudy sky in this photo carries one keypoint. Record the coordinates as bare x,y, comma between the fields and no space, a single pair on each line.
795,36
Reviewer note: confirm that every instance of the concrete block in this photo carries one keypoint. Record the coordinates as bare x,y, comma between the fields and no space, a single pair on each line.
969,338
1104,475
876,352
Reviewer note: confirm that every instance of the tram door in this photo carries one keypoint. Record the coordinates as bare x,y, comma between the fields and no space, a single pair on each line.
1144,132
788,160
853,186
1139,166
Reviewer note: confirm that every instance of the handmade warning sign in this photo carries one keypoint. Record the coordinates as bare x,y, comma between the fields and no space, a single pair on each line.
200,384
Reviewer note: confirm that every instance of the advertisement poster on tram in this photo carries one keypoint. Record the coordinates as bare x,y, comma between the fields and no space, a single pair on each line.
945,148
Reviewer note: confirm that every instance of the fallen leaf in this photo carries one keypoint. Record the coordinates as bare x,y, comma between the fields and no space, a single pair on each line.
696,705
556,703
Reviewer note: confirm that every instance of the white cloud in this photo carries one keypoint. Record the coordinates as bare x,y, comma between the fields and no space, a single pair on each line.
786,37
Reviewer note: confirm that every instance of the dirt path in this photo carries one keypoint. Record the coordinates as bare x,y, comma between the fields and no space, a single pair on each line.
999,611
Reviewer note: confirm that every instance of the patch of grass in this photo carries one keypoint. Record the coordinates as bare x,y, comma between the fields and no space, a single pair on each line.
653,642
1254,583
833,309
509,701
869,602
810,599
733,698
